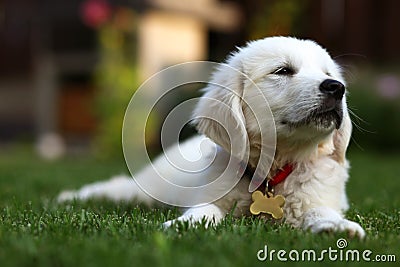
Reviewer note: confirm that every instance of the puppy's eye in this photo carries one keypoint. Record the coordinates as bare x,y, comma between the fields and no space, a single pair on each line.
284,71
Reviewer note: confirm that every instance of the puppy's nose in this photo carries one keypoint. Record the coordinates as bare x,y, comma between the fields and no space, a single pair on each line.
332,88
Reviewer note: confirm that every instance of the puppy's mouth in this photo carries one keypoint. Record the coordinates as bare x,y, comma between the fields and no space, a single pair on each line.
327,115
325,119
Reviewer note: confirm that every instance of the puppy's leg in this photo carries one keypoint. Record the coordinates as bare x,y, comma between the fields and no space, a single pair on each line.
118,188
154,176
324,219
316,199
211,213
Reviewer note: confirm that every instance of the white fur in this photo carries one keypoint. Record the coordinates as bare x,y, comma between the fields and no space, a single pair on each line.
315,191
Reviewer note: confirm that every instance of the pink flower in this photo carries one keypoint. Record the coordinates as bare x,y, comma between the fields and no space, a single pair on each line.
95,12
388,86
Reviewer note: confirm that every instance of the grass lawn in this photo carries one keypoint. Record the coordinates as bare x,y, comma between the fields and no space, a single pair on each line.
34,231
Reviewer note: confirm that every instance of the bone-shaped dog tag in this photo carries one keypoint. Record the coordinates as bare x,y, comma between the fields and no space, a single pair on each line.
267,204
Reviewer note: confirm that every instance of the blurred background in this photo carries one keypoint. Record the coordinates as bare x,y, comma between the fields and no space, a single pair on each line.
68,68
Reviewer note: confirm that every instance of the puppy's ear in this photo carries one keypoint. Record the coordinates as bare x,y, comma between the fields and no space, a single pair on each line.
219,114
341,138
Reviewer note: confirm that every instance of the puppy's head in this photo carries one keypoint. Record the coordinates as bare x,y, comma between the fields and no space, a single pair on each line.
302,85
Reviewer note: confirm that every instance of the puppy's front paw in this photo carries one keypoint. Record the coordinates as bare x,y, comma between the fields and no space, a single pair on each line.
328,225
192,222
209,213
324,219
170,223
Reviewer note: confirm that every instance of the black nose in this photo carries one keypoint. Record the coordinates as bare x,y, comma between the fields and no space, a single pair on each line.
332,88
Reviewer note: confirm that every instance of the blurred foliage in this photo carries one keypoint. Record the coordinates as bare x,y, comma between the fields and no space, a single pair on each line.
279,17
377,125
116,77
375,98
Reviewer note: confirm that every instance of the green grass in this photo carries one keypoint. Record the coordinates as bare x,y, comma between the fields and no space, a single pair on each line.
34,231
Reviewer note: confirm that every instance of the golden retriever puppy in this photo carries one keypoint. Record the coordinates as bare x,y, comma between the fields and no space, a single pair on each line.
282,89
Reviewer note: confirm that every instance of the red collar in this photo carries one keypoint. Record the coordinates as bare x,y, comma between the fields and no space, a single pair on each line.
279,177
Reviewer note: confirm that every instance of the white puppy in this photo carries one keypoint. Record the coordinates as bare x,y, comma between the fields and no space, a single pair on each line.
306,95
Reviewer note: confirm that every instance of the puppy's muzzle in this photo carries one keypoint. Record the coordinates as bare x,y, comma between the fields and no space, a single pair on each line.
332,88
331,109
